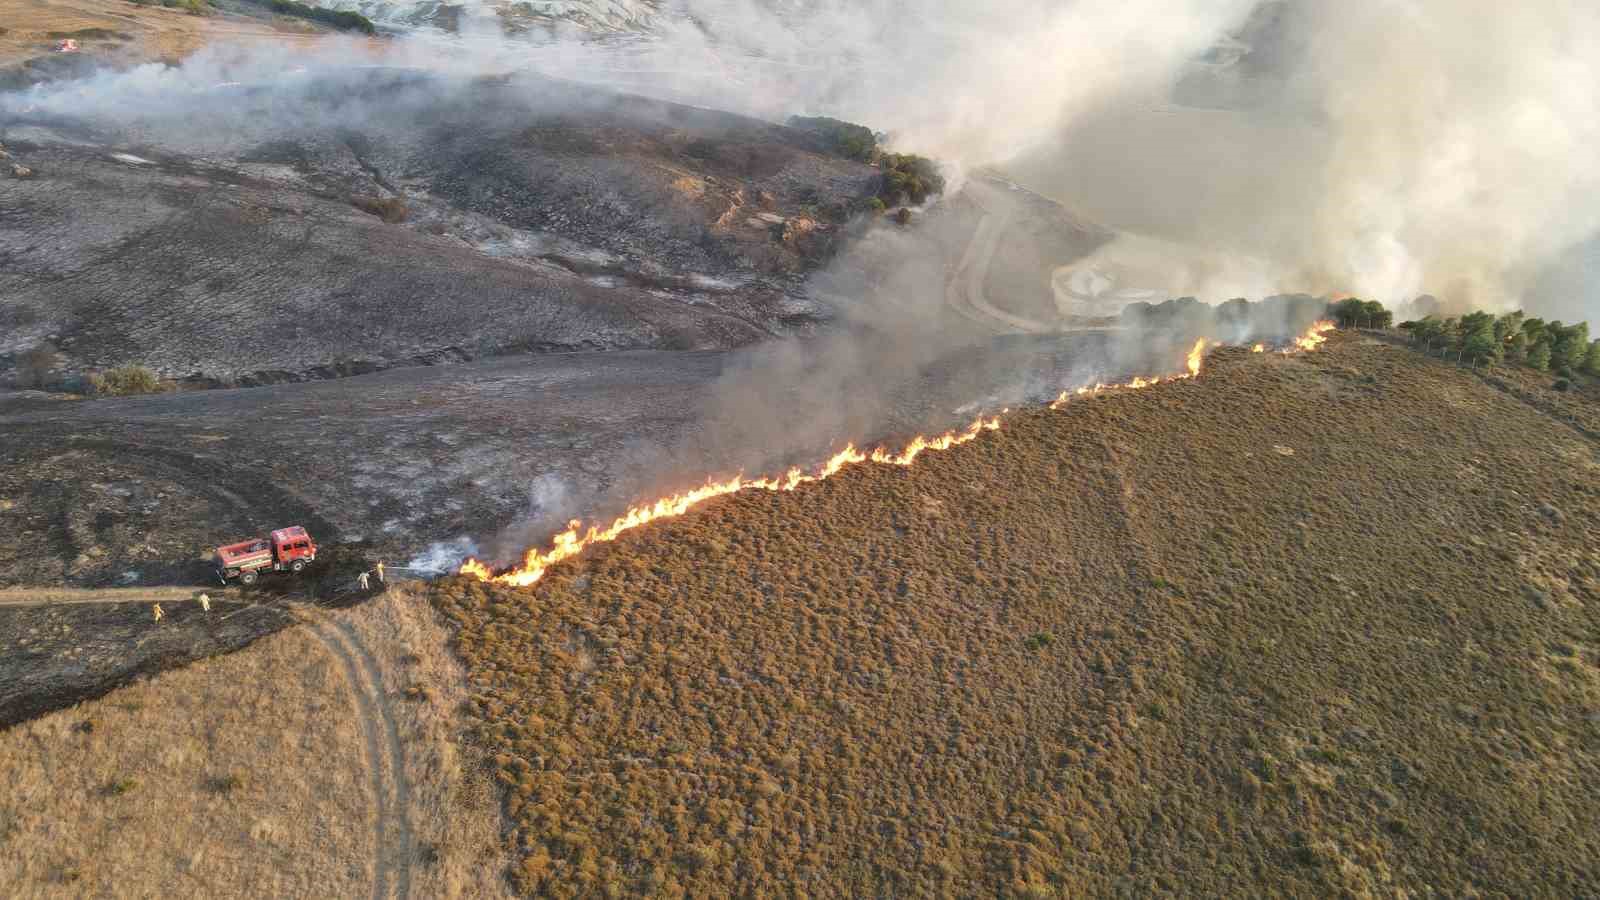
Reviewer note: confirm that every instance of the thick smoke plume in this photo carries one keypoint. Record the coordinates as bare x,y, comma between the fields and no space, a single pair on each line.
1232,148
1386,150
1248,148
1372,147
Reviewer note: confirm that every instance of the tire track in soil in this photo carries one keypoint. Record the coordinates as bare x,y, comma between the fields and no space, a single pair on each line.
404,852
381,737
60,596
964,291
252,495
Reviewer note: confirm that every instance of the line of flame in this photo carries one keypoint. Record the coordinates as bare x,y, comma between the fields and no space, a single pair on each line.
1312,339
575,539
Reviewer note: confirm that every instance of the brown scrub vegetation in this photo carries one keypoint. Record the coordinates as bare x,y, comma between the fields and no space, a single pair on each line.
1131,646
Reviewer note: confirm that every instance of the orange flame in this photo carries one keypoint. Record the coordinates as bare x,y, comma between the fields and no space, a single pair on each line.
1312,339
1196,354
1259,348
574,540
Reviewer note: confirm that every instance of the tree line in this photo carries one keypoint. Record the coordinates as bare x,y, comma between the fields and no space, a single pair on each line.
1514,338
908,179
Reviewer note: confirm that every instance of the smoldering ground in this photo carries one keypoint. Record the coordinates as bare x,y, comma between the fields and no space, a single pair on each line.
1381,149
898,362
1444,163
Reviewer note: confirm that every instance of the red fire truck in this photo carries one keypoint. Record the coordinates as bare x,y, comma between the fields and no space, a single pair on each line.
285,550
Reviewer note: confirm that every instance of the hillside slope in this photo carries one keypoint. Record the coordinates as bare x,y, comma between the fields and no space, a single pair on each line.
341,219
1307,625
322,761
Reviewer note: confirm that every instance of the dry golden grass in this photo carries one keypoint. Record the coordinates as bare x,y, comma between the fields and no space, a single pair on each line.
253,775
454,810
1128,648
117,28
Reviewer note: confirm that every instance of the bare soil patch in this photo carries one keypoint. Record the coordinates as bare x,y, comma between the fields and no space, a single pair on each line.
1131,647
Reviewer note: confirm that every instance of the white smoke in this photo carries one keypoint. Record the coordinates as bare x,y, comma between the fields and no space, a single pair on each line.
1434,145
547,498
443,557
1370,146
1378,147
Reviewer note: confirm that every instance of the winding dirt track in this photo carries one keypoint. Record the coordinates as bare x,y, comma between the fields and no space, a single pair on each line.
391,790
964,291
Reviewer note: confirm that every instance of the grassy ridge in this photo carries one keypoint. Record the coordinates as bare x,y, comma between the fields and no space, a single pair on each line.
1310,625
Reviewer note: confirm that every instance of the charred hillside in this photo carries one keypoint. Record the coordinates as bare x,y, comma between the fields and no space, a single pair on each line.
344,220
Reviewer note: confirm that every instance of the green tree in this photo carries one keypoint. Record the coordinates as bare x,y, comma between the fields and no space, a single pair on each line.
1428,330
1477,337
1348,313
1375,315
1517,347
909,178
1507,325
1539,356
1481,345
1472,323
1534,330
1591,360
1569,344
847,139
1450,332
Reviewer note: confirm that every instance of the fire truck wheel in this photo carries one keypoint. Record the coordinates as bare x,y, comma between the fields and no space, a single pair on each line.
297,566
247,578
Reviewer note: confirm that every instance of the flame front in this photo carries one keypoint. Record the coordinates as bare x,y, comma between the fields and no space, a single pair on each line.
575,539
1314,338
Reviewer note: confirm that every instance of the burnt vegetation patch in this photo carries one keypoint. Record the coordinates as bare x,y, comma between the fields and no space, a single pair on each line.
342,20
1054,662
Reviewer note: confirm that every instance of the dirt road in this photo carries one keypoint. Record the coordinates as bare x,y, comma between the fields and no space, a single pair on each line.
966,292
59,596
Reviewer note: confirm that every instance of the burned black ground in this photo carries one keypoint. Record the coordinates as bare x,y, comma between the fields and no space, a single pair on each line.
227,240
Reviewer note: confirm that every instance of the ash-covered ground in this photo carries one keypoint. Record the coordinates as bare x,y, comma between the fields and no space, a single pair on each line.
424,316
349,219
404,308
137,490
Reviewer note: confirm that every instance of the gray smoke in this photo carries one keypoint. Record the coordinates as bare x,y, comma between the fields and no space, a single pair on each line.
1388,150
1232,147
1246,148
1243,148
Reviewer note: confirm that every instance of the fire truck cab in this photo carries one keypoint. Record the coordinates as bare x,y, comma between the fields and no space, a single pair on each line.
284,550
